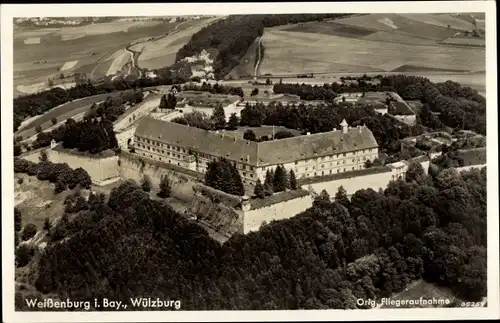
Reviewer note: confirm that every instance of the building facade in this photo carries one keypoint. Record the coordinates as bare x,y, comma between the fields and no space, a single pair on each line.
311,155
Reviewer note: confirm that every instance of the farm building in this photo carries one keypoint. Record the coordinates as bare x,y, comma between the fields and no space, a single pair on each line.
311,155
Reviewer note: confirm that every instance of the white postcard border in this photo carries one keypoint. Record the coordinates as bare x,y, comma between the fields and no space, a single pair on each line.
8,12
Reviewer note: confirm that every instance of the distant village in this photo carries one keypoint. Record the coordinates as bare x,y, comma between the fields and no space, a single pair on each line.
79,21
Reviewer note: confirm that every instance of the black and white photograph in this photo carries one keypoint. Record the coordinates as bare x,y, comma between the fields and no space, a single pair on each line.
254,161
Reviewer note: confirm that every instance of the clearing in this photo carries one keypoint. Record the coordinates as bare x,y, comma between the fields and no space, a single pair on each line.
36,200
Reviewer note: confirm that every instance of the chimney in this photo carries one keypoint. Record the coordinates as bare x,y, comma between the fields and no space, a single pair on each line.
308,133
359,128
344,126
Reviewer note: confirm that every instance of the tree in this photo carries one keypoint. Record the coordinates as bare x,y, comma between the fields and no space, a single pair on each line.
234,122
54,120
163,102
219,117
237,183
254,92
283,134
43,157
322,200
222,175
259,189
249,135
171,101
29,231
17,150
146,184
279,179
341,197
46,224
268,183
38,129
165,187
80,177
268,81
24,254
293,180
17,220
415,172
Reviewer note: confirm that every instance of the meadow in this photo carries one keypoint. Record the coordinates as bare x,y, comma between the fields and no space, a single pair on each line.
35,63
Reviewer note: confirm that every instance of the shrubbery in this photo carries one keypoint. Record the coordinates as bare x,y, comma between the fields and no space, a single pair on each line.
61,174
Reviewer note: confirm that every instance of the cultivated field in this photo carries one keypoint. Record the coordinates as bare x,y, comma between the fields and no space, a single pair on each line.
370,43
161,52
88,46
465,41
443,20
400,24
297,52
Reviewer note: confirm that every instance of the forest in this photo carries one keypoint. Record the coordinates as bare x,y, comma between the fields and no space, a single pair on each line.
427,226
231,37
445,104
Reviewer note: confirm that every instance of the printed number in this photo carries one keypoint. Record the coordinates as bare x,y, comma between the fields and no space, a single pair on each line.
470,304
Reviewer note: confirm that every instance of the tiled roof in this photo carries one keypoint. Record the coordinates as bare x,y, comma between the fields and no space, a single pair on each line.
265,153
315,145
203,141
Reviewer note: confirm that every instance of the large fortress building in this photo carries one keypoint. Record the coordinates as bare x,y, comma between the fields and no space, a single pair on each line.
337,151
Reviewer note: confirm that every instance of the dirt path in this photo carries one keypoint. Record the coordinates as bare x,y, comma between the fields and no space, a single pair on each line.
259,51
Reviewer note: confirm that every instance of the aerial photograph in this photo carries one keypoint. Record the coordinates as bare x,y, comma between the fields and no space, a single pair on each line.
250,162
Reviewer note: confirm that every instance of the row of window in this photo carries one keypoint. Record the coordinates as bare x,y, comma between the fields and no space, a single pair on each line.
325,158
243,166
204,165
159,144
